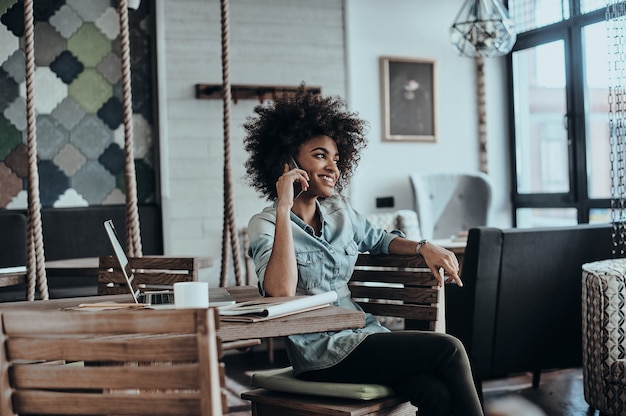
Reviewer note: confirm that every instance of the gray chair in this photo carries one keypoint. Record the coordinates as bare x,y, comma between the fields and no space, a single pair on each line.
447,203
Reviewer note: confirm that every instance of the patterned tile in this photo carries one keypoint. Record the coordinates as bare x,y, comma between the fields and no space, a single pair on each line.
66,21
89,11
145,181
17,160
142,92
19,202
67,67
89,44
16,113
110,68
90,91
48,44
13,19
9,137
71,198
49,90
93,182
52,182
9,43
69,160
112,113
5,4
68,113
115,197
15,66
46,9
113,159
11,185
109,23
91,136
51,137
9,89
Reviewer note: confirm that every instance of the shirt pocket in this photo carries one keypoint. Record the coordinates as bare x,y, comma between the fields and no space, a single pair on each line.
309,269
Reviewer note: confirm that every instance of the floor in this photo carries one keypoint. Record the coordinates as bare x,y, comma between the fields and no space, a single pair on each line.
560,392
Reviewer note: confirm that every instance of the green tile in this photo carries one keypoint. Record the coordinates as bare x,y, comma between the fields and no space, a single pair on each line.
5,5
90,91
89,44
9,137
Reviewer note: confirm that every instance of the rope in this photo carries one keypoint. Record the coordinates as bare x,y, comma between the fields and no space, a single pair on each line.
36,260
482,113
133,232
229,229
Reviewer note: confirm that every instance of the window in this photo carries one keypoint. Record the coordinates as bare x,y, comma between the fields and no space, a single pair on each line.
559,108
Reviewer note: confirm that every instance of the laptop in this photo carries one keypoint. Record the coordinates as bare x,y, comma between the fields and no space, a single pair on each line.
156,296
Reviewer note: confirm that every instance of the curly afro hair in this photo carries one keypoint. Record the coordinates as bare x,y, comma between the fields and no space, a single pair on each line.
278,129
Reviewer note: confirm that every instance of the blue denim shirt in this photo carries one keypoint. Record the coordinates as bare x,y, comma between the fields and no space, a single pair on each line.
325,263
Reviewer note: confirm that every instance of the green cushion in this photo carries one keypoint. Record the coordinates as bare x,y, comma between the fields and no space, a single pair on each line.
284,380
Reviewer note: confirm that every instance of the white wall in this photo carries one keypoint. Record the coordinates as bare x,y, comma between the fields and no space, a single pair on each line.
420,29
284,42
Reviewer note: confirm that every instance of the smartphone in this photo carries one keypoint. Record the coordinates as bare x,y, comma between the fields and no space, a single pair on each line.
297,187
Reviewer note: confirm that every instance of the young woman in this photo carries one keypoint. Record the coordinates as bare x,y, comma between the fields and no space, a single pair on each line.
303,150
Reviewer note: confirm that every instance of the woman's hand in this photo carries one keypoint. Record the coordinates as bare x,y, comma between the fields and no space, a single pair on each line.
287,183
437,258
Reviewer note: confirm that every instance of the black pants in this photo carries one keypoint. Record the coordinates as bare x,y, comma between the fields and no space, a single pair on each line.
430,369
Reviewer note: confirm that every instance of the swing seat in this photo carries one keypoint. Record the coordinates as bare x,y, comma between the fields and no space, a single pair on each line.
386,286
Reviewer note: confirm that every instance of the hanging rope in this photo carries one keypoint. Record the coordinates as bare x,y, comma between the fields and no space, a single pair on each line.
133,233
482,113
229,229
36,259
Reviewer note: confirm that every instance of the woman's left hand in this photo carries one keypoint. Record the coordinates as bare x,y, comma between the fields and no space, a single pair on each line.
437,258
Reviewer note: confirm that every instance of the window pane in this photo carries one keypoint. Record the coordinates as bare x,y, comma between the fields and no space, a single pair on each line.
587,6
599,215
541,142
533,14
596,89
546,217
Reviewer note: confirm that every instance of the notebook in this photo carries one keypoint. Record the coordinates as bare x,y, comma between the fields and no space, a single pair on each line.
157,296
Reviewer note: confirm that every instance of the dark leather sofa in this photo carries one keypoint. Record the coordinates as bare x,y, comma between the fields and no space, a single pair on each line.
72,233
520,308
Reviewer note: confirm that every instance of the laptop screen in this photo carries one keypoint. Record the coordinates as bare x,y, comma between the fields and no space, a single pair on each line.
120,254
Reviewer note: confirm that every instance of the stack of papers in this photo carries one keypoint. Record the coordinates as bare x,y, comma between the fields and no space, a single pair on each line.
273,307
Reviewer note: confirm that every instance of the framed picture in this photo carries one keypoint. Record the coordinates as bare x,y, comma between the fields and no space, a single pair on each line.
409,99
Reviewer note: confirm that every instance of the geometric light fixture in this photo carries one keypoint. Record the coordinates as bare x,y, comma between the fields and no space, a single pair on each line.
483,28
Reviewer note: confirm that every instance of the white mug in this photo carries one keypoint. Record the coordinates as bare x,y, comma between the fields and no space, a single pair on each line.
191,295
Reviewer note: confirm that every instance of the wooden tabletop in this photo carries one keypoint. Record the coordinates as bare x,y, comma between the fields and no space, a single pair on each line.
331,318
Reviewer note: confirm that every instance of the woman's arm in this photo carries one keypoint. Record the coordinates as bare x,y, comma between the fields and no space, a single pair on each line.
281,274
436,257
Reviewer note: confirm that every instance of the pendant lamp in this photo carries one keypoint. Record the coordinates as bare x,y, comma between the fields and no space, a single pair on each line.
483,28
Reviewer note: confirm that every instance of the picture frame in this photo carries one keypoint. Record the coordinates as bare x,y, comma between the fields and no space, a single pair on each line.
409,101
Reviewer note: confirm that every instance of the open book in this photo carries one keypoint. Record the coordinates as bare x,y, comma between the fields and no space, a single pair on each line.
273,307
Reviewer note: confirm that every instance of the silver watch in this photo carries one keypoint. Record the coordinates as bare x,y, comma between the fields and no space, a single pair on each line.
419,246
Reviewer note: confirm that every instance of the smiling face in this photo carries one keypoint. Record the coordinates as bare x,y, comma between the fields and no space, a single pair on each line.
319,156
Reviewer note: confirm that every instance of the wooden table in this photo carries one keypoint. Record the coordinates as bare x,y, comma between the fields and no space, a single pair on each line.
331,318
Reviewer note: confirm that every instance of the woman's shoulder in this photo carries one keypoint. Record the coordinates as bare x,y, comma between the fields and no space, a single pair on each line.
335,203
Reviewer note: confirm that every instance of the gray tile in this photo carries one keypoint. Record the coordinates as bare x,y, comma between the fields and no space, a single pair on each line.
91,10
48,44
93,182
66,21
51,137
15,66
110,68
109,23
68,113
16,113
91,136
49,90
69,160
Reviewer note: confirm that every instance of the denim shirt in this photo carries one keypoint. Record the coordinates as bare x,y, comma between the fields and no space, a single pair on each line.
325,263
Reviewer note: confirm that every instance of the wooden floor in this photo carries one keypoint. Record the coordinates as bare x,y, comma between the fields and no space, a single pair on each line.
559,394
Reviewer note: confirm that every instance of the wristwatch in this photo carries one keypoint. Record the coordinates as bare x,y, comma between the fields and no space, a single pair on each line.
419,245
